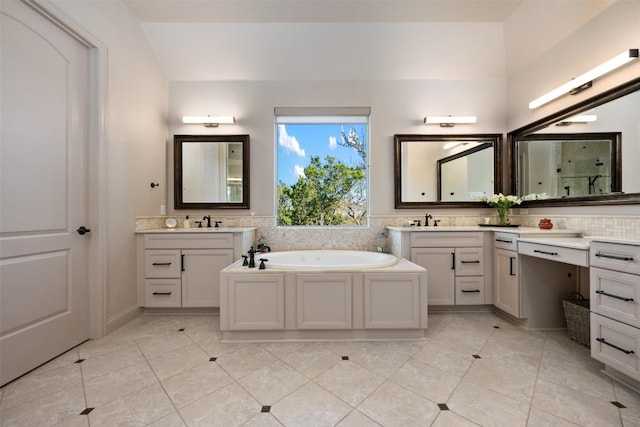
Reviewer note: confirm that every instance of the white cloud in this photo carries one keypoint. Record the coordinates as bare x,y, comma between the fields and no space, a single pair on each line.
299,171
333,143
288,142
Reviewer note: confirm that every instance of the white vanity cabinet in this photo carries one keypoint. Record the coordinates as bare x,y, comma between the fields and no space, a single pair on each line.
507,284
182,268
615,307
456,263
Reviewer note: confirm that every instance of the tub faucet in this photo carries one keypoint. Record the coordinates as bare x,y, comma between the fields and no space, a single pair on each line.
262,266
252,257
208,218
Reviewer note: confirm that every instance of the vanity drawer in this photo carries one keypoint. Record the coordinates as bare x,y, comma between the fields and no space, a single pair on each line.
205,240
470,290
616,344
615,295
555,253
616,256
506,241
162,293
162,263
469,261
446,239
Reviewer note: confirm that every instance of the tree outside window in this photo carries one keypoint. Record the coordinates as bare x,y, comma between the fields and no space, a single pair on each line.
322,171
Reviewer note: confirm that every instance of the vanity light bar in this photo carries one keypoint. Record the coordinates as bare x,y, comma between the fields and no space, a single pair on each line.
586,78
209,121
449,121
582,118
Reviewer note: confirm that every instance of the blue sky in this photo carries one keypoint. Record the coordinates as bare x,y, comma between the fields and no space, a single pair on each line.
297,143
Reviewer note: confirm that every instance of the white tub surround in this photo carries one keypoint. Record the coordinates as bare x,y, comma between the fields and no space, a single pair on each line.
323,304
615,307
180,267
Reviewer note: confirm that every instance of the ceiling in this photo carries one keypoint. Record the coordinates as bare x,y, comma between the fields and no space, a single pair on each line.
375,39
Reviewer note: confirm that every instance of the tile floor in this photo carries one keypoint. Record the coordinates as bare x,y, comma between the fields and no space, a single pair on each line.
473,369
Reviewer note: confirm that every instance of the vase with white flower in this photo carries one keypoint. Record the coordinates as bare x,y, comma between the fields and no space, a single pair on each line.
502,204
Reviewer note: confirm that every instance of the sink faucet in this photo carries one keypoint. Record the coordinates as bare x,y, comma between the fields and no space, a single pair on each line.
217,224
426,219
208,218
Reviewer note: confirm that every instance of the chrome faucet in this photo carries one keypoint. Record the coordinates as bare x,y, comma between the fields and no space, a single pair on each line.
208,218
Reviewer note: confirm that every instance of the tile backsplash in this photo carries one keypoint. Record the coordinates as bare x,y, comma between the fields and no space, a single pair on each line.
292,238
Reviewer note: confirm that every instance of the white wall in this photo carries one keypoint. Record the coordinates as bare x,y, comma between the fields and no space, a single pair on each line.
396,107
610,33
135,137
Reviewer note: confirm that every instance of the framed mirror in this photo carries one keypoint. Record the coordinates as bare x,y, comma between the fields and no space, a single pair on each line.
428,168
211,171
581,163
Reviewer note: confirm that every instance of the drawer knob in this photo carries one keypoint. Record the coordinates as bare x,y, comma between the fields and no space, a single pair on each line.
603,341
600,292
618,257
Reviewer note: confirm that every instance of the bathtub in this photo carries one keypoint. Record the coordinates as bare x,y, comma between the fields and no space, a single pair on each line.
327,260
324,295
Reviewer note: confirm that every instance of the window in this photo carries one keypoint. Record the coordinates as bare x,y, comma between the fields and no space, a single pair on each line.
322,166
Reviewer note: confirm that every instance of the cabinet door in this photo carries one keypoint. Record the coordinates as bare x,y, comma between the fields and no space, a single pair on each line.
391,301
201,276
507,282
255,302
439,263
324,301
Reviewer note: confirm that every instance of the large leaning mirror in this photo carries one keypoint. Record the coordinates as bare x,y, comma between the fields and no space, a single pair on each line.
446,170
583,155
211,171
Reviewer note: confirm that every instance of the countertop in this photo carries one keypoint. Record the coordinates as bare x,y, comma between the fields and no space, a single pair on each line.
605,239
513,230
195,230
402,266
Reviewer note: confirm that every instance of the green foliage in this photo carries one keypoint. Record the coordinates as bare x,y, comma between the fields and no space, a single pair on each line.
329,193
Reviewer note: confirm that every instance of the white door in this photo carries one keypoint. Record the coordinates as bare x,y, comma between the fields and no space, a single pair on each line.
43,185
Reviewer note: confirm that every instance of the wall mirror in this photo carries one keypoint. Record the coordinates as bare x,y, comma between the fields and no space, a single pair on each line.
211,171
446,170
581,163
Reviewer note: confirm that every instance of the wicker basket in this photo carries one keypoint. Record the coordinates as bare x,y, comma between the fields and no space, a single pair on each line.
576,311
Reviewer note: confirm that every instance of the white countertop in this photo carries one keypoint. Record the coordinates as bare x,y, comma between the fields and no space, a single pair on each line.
402,266
195,230
563,242
513,230
620,240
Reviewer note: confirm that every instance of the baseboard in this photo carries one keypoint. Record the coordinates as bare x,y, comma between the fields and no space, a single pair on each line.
122,318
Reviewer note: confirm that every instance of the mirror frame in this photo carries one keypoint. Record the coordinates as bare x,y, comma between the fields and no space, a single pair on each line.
494,139
513,136
178,140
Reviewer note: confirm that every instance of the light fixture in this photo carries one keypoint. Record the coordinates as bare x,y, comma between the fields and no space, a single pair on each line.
584,81
209,121
449,121
581,118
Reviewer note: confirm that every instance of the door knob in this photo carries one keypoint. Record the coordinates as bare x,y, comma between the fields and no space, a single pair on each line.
83,230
